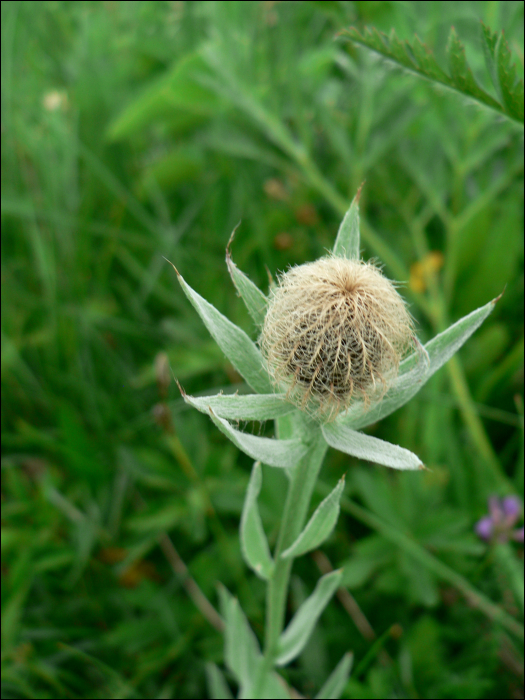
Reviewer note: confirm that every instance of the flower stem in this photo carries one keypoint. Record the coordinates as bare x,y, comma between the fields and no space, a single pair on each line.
300,488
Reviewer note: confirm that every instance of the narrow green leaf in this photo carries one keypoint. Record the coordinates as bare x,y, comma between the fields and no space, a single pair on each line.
489,40
217,686
461,74
276,453
246,407
415,371
241,648
336,681
254,545
235,344
347,241
370,448
176,96
511,86
319,526
255,301
296,635
426,60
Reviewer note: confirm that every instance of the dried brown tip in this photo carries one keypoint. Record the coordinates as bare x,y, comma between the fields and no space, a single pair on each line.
495,301
230,241
358,193
173,266
335,329
182,392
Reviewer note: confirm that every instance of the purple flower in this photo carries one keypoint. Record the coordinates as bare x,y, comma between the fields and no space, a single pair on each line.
504,513
485,528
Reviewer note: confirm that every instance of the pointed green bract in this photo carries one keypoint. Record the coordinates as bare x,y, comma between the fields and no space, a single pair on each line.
445,344
347,241
258,407
416,370
241,648
370,448
254,545
335,683
255,301
296,635
276,453
235,344
319,526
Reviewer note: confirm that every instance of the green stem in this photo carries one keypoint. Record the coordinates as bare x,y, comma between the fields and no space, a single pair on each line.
300,489
302,482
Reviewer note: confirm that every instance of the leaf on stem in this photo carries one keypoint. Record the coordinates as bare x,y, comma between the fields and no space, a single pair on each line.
254,545
254,300
347,240
276,453
241,648
319,526
249,407
336,681
370,448
296,635
235,344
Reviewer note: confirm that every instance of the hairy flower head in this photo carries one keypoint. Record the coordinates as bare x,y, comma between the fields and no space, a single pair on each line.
334,329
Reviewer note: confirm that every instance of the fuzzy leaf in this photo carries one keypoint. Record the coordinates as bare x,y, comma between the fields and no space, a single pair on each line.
369,448
276,453
419,59
336,681
254,545
241,648
274,688
444,345
255,301
319,526
415,371
296,635
347,241
246,407
235,344
217,687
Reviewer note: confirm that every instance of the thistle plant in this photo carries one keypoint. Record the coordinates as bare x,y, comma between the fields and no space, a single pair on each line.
337,352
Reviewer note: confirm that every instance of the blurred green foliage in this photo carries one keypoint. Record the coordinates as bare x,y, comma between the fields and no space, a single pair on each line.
137,130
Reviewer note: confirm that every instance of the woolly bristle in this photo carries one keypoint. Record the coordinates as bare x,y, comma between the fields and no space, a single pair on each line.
334,329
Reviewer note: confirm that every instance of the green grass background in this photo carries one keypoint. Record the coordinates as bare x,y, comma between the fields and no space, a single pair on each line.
136,130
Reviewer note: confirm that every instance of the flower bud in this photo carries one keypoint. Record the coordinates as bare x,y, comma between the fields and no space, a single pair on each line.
334,329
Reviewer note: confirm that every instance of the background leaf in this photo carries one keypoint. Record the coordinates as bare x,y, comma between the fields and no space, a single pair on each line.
417,58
